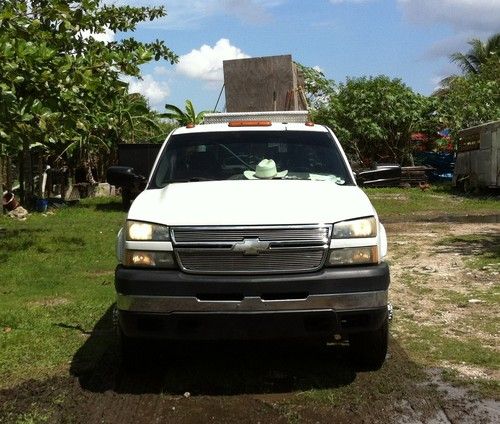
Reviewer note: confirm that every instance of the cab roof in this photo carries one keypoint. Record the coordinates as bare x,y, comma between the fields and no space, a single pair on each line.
273,126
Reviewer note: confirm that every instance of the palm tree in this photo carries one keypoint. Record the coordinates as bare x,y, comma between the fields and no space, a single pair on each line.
472,62
189,116
478,54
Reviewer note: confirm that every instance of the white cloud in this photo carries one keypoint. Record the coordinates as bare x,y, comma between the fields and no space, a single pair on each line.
155,91
462,15
205,63
107,36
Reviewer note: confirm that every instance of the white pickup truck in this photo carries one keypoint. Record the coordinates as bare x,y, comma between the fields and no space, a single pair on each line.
253,228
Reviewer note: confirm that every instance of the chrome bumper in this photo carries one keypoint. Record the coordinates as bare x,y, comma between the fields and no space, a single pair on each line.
323,302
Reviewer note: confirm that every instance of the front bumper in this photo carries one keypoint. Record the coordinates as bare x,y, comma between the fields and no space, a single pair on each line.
172,304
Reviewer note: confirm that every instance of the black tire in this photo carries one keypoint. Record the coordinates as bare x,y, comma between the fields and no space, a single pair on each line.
369,348
464,184
126,199
130,350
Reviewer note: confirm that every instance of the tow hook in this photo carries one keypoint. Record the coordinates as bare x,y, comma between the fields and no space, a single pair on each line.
390,311
115,317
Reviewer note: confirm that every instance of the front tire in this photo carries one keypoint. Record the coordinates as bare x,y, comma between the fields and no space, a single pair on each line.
129,349
369,348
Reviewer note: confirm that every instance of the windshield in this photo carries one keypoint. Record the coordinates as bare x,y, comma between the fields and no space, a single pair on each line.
291,155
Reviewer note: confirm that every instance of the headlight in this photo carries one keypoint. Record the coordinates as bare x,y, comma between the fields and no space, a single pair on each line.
149,259
353,256
144,231
357,228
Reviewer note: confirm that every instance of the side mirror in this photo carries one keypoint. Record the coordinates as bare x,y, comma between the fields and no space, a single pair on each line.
123,176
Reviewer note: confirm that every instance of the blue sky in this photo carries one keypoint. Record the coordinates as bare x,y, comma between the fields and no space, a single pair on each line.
407,39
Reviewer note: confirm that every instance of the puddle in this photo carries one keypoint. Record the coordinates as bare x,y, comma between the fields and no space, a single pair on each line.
459,406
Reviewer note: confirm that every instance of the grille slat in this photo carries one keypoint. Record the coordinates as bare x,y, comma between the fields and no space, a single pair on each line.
207,261
316,234
290,249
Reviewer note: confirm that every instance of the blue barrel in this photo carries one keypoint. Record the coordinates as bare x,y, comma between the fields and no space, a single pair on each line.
41,205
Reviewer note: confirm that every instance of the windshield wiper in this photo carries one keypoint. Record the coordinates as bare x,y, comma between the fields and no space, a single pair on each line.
188,180
235,156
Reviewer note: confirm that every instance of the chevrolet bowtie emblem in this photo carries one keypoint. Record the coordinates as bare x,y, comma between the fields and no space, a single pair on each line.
251,246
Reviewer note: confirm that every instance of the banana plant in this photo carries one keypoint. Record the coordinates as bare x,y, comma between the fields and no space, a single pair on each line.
184,117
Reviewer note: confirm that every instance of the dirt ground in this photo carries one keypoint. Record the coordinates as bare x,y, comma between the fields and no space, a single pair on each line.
290,383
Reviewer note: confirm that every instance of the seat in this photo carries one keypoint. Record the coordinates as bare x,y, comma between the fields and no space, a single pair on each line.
203,165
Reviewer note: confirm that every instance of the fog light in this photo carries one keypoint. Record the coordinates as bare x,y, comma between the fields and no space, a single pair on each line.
354,256
149,259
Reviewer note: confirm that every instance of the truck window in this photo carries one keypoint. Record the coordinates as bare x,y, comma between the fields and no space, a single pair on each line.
306,155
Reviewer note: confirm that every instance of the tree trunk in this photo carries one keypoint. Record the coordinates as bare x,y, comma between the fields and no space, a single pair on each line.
2,161
40,188
8,173
20,169
27,193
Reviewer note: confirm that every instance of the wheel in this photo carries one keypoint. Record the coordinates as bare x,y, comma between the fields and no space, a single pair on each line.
369,348
464,183
130,350
126,199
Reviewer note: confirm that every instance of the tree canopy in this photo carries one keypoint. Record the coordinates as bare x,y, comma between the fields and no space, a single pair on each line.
59,87
478,55
374,118
473,97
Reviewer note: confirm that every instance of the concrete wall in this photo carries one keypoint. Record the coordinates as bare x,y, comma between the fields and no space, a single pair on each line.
481,166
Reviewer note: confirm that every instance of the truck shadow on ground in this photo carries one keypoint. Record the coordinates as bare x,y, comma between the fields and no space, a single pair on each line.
245,383
208,368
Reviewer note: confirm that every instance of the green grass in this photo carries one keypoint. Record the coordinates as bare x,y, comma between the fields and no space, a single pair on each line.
438,200
418,285
56,282
482,250
429,345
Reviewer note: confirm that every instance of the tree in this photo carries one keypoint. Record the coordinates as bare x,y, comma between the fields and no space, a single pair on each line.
479,54
318,88
54,82
374,118
470,100
473,97
184,117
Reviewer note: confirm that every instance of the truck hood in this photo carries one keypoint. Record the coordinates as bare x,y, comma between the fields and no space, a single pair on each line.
253,202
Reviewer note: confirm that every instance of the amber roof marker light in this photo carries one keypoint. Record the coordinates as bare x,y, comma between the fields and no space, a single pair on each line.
250,123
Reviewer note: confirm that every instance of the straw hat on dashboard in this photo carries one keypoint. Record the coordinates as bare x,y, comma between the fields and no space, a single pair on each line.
265,170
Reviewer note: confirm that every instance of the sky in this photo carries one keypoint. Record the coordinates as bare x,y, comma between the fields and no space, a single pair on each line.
406,39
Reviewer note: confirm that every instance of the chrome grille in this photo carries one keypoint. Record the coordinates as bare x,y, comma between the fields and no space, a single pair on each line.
251,249
309,234
221,262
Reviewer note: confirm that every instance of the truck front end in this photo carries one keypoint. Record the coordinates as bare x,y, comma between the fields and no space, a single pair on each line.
254,231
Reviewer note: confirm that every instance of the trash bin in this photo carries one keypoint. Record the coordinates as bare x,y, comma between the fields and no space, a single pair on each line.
41,205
